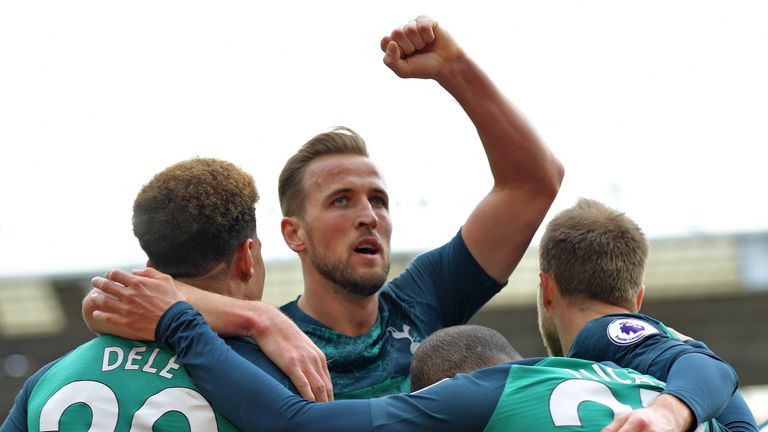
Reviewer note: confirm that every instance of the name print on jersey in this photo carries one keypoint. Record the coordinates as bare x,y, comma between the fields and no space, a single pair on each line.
114,356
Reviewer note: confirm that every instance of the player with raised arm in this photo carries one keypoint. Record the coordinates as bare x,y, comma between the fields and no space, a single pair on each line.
726,378
552,394
336,218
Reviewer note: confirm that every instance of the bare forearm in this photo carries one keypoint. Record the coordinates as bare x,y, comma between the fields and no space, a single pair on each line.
226,315
515,153
526,174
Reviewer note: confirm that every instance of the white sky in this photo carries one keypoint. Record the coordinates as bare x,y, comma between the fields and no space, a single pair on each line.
659,108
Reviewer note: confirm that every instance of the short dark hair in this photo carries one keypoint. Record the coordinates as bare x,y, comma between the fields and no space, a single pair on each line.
458,349
192,215
594,252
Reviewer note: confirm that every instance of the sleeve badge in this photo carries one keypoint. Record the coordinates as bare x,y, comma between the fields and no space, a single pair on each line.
627,331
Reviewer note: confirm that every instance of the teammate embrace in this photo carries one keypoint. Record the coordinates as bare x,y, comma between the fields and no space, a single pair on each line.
336,218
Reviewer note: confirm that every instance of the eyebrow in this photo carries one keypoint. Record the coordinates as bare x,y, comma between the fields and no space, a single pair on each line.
344,190
381,191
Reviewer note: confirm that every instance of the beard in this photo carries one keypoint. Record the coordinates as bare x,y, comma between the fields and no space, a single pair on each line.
362,284
549,334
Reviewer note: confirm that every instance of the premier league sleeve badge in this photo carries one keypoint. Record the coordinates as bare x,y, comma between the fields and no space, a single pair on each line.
627,331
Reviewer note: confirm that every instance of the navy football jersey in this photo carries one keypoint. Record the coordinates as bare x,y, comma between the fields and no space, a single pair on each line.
440,288
550,394
694,373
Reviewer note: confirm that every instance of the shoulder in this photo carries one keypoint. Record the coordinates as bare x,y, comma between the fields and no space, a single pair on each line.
621,329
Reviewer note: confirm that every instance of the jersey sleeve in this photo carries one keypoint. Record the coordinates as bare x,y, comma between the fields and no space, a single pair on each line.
693,373
17,417
248,349
245,394
463,403
736,416
252,400
448,279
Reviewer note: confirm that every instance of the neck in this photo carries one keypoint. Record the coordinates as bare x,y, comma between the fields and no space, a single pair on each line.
328,303
217,282
577,315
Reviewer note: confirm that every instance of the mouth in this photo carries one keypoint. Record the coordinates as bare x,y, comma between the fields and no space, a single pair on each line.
367,246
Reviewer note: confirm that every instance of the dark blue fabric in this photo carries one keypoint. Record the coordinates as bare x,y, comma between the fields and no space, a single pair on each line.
17,417
693,373
254,402
440,288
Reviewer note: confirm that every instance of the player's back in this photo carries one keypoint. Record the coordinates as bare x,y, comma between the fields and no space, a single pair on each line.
565,395
111,383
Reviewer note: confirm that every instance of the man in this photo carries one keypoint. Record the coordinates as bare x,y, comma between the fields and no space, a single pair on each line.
336,218
592,261
195,220
458,349
367,246
550,394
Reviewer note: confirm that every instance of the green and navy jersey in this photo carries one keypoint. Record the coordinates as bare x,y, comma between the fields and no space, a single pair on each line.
564,394
115,384
550,395
440,288
695,375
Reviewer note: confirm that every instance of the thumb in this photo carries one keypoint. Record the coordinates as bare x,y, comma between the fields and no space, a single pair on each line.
392,57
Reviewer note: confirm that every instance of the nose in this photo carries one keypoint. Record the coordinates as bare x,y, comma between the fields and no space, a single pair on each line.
367,216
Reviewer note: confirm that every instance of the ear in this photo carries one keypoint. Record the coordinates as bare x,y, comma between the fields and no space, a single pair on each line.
639,299
547,289
293,234
242,262
149,263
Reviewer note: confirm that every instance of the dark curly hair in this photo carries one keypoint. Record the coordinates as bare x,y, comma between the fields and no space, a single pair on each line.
192,215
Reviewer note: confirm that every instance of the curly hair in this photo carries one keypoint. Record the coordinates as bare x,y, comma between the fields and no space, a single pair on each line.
339,140
594,252
191,216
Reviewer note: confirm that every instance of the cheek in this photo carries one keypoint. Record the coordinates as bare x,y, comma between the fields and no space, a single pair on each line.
385,224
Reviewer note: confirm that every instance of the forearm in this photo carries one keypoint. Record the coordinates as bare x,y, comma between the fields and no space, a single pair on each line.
227,316
526,174
244,393
515,153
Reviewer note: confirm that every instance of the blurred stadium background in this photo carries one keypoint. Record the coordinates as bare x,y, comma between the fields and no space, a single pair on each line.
713,288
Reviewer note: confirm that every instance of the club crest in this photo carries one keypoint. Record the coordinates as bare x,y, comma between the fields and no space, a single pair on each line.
627,331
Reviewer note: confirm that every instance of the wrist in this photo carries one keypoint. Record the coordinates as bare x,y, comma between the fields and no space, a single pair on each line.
677,410
254,321
457,73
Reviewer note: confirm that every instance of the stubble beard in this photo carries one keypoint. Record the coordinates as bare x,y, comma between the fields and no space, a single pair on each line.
549,335
343,276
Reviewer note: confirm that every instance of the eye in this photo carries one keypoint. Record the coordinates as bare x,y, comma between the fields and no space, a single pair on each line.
379,201
340,201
